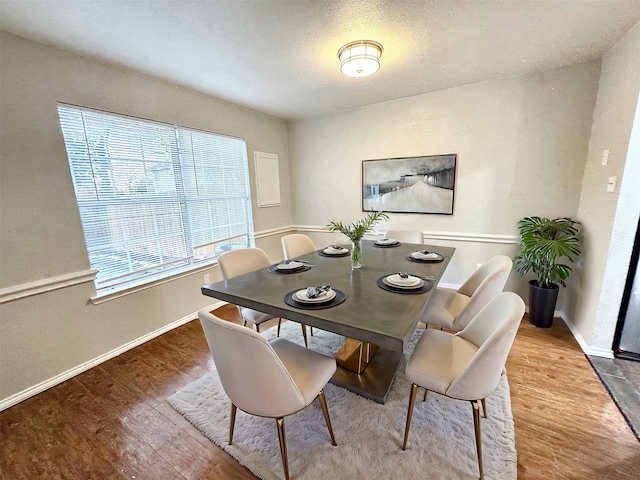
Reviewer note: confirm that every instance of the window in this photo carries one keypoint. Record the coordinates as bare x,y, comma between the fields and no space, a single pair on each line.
154,199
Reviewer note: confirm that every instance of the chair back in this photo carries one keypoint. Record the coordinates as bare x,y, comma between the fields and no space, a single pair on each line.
244,260
406,236
485,283
492,330
498,264
251,373
296,245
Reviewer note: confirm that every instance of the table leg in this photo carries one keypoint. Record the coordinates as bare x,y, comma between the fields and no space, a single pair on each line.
374,382
355,355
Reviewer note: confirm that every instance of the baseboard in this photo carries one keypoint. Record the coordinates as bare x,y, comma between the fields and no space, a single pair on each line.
58,379
584,346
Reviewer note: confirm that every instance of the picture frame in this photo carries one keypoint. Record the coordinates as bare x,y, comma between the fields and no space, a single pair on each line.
410,185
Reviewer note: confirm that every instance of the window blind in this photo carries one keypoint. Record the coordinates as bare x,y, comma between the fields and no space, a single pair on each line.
154,198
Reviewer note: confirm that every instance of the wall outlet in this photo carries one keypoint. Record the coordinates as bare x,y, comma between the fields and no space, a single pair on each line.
605,157
611,185
207,280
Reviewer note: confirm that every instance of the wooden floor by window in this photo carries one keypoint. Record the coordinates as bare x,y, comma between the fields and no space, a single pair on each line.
113,421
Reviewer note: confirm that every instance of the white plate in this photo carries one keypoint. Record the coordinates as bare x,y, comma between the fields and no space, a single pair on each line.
398,281
335,251
289,266
301,296
405,287
387,241
428,256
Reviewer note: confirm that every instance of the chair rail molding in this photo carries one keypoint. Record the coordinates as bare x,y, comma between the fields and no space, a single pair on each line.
450,236
46,285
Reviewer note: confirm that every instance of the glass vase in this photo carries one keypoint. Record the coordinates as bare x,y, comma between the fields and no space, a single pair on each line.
356,254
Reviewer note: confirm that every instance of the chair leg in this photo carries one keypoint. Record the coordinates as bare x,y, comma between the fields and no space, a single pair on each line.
304,334
311,330
232,423
244,323
412,401
325,412
424,398
283,446
476,425
256,326
279,323
484,407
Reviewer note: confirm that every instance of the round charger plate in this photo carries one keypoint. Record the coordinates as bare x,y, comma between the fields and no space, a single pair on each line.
426,286
275,269
290,300
322,253
425,260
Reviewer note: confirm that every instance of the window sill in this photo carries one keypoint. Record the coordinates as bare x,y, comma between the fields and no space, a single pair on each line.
118,292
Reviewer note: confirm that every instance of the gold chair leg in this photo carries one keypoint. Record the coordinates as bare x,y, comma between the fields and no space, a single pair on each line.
484,407
325,412
476,425
412,401
304,334
232,423
283,447
279,323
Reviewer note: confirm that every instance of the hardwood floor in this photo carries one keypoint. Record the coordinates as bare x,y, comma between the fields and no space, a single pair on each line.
113,421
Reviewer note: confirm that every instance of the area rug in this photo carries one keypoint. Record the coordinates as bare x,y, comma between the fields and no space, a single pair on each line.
369,435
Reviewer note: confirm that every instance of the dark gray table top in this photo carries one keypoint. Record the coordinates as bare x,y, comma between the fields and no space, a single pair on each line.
369,313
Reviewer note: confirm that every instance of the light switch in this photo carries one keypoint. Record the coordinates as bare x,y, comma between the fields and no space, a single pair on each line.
605,157
611,186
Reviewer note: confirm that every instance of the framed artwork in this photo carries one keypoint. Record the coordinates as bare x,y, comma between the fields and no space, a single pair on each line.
409,185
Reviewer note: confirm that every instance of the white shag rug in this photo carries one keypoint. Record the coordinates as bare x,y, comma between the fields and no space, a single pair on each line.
369,435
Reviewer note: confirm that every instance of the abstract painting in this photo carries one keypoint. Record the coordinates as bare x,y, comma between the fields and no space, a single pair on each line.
409,185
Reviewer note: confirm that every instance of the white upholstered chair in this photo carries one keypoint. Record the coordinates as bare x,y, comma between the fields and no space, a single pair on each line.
238,262
296,245
466,365
406,236
277,379
454,309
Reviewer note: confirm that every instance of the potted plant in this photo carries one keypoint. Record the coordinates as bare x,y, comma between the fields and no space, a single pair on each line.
355,231
544,243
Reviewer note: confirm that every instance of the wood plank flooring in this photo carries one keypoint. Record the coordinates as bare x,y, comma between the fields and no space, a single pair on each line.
113,421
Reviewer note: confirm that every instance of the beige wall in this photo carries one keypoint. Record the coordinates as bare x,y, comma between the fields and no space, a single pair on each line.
45,335
521,144
610,219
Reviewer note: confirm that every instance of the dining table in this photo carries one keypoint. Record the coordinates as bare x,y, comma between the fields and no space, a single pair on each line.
376,319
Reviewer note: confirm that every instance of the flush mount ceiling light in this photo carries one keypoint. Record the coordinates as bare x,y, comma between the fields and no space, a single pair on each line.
360,58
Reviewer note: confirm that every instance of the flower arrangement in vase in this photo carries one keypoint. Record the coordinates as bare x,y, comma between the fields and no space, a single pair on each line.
355,231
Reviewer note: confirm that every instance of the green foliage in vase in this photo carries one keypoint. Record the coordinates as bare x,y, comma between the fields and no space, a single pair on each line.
356,230
543,243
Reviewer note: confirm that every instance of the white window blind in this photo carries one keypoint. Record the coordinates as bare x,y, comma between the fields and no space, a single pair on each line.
154,198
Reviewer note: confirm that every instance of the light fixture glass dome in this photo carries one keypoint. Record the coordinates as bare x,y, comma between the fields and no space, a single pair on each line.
360,58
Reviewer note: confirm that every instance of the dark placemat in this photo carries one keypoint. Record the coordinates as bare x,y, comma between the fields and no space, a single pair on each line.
428,285
274,269
337,300
337,255
392,245
425,260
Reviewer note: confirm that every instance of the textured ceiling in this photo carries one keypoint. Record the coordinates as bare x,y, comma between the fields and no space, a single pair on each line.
280,57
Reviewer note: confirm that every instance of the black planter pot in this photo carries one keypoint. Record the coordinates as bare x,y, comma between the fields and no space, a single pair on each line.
542,304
